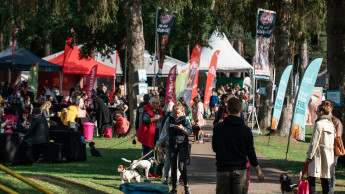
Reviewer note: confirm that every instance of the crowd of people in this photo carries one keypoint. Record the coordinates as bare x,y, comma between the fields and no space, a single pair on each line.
166,128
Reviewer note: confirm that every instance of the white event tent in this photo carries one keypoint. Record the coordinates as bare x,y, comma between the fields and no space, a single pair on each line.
228,60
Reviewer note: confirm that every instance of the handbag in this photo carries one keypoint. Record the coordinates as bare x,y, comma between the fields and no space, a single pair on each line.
339,149
303,185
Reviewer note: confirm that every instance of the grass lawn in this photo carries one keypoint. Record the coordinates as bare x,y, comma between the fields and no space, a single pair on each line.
96,175
276,151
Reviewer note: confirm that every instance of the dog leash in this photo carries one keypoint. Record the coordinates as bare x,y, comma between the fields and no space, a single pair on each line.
154,157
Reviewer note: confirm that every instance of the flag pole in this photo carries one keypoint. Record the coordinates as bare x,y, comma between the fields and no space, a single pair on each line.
154,69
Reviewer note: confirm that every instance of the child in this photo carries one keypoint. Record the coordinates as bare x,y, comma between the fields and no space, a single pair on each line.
177,128
121,125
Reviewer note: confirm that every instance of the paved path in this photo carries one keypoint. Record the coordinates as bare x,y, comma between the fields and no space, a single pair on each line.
202,170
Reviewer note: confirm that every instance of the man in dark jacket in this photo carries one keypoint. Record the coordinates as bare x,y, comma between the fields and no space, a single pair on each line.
37,134
233,143
221,114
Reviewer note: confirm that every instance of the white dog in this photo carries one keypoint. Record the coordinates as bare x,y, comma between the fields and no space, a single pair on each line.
144,164
128,174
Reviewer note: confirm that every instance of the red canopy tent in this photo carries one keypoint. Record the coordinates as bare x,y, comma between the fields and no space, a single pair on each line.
75,65
74,71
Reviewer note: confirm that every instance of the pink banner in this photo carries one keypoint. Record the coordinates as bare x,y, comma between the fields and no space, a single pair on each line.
210,78
90,83
194,63
16,30
170,91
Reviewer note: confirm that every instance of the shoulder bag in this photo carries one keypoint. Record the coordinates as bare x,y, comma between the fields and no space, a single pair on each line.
339,149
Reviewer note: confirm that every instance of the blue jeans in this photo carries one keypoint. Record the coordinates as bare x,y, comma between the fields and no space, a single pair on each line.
146,150
167,162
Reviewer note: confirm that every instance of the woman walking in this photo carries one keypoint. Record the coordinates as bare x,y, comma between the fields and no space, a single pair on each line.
321,154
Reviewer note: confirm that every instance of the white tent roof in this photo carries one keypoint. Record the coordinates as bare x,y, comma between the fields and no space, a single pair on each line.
168,63
228,60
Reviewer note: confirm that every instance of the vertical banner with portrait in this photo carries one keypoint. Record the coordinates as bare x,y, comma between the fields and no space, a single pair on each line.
264,31
163,29
303,98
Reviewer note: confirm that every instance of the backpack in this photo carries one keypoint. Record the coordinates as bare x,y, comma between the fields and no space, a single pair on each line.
207,112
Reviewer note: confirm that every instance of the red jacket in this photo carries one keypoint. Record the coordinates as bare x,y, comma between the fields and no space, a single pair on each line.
121,125
146,132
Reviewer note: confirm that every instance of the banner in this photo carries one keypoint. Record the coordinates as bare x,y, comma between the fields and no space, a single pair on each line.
278,105
170,90
210,78
90,83
194,63
15,32
190,83
264,30
181,83
163,28
303,97
314,102
33,79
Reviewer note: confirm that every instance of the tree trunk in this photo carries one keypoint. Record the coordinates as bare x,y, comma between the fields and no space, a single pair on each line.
336,52
188,52
283,58
238,47
135,49
1,41
47,49
303,59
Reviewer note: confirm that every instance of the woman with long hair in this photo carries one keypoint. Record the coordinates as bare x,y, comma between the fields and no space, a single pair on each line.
27,105
45,110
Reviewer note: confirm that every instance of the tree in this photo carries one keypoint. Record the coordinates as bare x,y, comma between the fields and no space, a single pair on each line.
336,51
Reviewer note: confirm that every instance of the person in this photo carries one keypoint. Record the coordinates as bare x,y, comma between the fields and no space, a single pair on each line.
187,109
56,91
257,102
37,134
140,111
121,125
213,102
10,92
161,102
148,131
27,105
221,90
320,154
3,124
232,142
198,113
177,128
45,110
222,111
69,115
103,115
119,104
23,121
81,104
339,131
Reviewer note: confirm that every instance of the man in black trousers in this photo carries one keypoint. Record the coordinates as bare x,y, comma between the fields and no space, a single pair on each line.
233,143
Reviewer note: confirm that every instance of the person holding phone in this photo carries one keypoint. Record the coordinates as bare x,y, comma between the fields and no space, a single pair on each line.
3,124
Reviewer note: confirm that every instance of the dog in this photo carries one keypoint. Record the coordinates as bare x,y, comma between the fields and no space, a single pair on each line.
93,150
144,164
197,131
128,174
286,184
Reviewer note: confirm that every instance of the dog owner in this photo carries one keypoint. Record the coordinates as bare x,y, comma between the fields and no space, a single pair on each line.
177,128
233,143
149,128
69,115
339,129
140,111
321,152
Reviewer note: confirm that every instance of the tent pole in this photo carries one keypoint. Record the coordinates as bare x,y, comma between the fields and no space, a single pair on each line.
253,85
114,83
61,80
9,76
